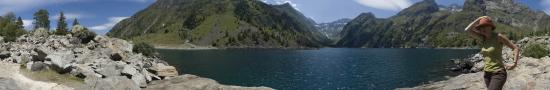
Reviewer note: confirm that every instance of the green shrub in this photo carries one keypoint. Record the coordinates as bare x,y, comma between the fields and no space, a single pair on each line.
11,27
535,50
85,35
145,49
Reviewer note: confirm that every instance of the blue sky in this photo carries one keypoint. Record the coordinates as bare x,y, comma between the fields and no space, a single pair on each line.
101,15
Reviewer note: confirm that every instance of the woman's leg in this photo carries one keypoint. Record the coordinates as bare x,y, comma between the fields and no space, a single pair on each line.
487,78
497,81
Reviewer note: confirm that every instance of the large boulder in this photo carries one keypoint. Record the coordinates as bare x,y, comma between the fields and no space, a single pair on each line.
192,82
5,54
38,66
84,71
119,45
135,75
61,61
110,83
39,56
108,69
164,70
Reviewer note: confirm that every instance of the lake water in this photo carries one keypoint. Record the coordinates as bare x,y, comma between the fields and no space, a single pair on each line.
325,69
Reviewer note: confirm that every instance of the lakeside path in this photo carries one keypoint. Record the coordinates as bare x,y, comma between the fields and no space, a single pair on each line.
12,79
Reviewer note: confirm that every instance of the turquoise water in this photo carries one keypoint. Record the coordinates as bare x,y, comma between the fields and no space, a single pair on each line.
325,69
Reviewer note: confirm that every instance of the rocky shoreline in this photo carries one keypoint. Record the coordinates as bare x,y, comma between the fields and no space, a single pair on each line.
103,63
186,46
530,74
189,46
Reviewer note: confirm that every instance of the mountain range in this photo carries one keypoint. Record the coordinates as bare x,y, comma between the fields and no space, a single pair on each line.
255,24
425,24
220,23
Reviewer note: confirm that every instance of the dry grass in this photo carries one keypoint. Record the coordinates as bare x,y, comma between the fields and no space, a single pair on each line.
52,76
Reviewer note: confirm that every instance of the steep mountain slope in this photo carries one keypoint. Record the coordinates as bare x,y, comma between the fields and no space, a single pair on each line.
220,23
424,24
332,29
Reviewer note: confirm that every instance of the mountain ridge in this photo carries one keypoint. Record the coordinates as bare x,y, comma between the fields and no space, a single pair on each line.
424,25
225,24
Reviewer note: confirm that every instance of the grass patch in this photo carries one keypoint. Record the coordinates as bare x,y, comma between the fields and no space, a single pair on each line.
145,49
535,50
160,38
52,76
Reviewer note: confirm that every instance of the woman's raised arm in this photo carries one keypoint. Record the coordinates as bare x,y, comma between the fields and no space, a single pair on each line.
470,29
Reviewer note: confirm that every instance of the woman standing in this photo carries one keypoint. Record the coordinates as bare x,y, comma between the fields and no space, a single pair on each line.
491,48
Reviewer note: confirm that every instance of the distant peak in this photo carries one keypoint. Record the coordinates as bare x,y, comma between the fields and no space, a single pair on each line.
429,1
286,4
367,15
424,7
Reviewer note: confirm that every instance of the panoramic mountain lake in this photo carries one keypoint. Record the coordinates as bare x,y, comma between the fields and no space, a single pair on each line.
326,68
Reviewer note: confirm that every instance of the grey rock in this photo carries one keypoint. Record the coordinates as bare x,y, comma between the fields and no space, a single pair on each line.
111,83
40,55
8,84
192,82
108,69
116,57
164,71
61,62
104,63
135,75
5,54
38,66
84,71
150,76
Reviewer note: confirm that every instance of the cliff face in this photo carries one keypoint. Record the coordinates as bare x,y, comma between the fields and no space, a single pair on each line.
530,74
332,29
220,23
425,24
102,63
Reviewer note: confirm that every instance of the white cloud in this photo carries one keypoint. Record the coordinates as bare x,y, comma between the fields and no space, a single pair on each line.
546,6
69,16
394,5
107,26
20,5
141,1
27,23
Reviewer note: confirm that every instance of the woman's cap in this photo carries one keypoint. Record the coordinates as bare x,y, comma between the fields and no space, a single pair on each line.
486,21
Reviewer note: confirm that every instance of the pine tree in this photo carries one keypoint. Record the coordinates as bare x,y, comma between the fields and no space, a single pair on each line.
61,25
10,27
75,22
10,17
20,23
41,19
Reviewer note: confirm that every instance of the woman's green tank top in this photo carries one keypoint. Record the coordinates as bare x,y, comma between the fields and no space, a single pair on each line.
491,49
